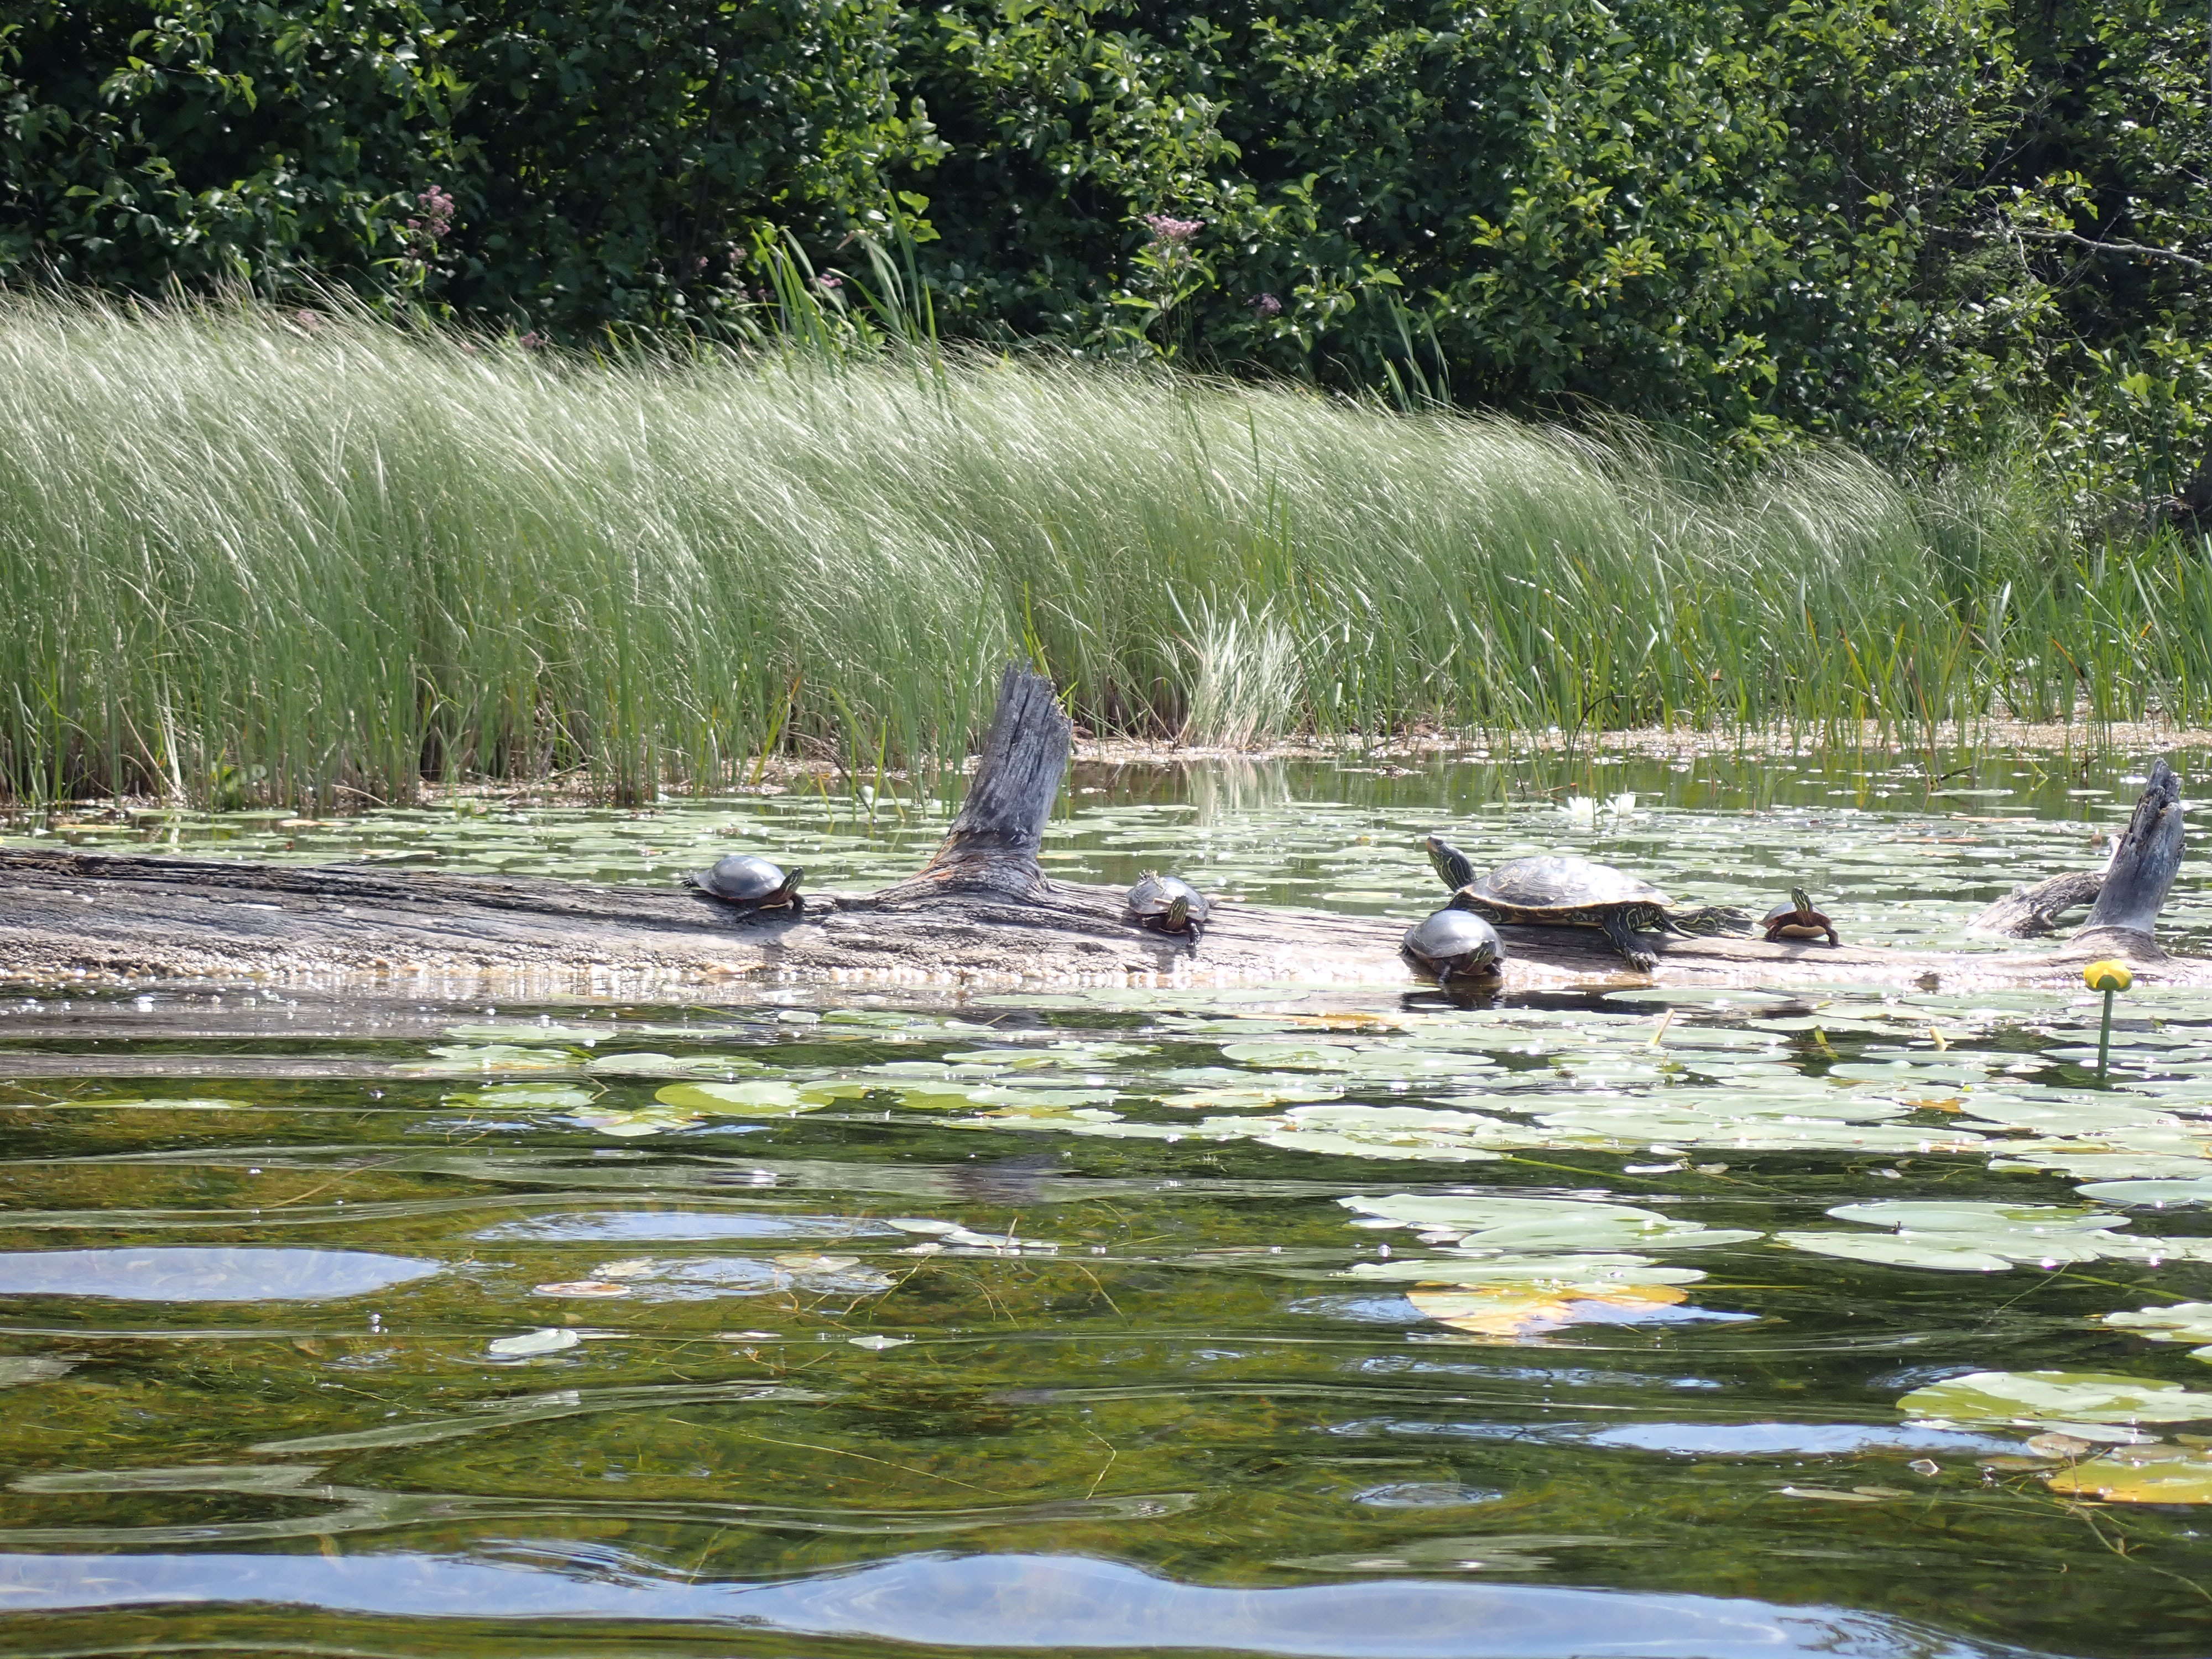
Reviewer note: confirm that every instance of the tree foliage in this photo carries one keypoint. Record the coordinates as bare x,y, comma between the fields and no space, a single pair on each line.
1906,222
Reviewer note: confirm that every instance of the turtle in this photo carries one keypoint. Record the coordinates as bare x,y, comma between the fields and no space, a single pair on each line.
1168,904
1455,948
1557,890
749,882
1798,919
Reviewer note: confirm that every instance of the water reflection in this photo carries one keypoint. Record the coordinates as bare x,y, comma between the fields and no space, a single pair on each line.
968,1603
184,1273
1251,1321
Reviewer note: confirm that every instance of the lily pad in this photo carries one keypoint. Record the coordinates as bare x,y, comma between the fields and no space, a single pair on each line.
766,1097
525,1097
653,1065
1593,1274
2034,1398
526,1031
1966,1237
2135,1476
2182,1321
1512,1313
2132,1475
1544,1223
2157,1195
464,1058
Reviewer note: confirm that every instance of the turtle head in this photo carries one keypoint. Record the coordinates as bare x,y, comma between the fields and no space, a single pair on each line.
1803,900
1482,961
1453,867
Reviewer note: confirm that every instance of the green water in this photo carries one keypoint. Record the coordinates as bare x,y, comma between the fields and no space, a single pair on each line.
838,1323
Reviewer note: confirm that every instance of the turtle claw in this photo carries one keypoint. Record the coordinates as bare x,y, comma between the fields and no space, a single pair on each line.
1624,940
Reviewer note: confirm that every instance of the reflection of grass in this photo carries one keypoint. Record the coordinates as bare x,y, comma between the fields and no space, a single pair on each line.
251,558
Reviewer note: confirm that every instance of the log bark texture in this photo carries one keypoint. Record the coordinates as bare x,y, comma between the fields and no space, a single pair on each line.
2029,912
981,913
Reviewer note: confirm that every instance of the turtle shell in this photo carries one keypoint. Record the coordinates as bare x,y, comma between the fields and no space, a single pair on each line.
1798,919
1557,887
1448,944
743,878
1799,909
1152,898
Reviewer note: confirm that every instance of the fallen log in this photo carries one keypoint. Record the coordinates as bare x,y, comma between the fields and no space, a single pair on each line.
2032,911
981,913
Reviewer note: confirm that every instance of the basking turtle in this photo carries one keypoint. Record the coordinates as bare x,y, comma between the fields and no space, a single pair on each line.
749,882
1168,904
1557,889
1456,948
1798,919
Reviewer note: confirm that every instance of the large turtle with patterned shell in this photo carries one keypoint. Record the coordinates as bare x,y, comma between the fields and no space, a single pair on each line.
749,882
1557,890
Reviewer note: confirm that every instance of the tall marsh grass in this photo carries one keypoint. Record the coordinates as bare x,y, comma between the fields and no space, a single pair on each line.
252,555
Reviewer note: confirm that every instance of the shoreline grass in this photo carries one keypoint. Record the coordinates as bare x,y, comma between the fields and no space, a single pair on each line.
256,556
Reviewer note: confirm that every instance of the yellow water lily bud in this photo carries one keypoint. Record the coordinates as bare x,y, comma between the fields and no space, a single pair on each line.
2107,976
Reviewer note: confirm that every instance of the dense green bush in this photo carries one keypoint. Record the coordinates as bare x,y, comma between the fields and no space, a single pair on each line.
1925,225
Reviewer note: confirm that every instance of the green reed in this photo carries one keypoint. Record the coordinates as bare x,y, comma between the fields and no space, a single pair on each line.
248,556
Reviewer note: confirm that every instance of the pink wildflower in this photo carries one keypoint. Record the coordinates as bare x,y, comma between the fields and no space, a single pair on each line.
435,208
1166,228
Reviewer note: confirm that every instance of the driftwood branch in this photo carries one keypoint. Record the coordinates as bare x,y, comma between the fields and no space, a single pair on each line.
2030,911
979,912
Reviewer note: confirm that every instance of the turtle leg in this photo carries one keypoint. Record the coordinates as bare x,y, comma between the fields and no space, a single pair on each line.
1625,941
1833,939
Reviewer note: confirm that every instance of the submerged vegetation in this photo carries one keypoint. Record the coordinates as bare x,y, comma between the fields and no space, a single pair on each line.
261,554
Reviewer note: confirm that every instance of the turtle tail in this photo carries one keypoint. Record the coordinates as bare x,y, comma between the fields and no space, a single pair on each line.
1709,919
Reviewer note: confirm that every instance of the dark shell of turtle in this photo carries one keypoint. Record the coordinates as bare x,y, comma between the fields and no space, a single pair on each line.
1152,902
1450,945
1556,887
742,878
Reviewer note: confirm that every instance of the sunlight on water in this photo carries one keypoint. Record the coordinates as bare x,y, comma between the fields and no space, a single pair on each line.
1851,1322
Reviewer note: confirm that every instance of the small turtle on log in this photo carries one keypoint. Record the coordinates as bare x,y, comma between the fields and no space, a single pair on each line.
750,883
1456,948
1798,919
1168,904
1557,890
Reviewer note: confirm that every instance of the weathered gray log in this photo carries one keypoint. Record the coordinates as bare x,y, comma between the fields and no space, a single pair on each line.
2126,895
994,841
979,912
2145,863
2030,911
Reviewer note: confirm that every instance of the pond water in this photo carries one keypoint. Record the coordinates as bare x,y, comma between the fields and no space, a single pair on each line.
1861,1321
